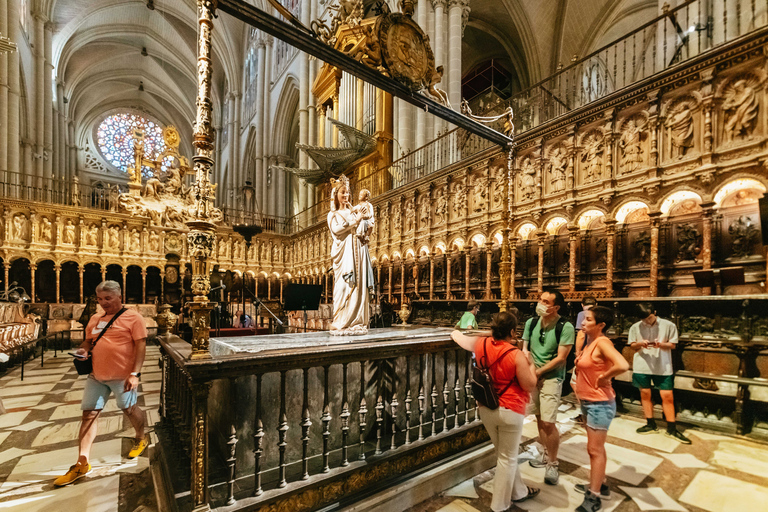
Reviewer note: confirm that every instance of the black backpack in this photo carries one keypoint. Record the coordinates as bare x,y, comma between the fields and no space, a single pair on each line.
482,383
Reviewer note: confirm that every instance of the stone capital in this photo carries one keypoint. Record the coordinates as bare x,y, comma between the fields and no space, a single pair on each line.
438,3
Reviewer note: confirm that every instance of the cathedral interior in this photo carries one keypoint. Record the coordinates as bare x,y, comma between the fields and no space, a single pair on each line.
607,149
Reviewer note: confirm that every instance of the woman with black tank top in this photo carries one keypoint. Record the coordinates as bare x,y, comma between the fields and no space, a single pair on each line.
514,376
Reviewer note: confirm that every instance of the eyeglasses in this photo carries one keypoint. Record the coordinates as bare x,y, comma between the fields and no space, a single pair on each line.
542,335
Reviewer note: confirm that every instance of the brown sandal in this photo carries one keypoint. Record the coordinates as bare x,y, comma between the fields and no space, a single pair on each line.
532,492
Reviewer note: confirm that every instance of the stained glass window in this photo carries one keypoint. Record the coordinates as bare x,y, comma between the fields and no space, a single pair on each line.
115,139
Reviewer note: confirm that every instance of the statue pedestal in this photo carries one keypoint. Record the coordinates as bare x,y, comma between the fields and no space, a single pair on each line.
134,189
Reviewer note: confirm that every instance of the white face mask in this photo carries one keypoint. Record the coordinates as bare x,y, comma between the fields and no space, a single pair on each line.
541,309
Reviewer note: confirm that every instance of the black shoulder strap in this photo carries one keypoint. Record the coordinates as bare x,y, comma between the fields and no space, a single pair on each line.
559,329
109,324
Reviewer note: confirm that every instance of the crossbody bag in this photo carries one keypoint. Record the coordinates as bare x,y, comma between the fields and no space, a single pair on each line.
85,366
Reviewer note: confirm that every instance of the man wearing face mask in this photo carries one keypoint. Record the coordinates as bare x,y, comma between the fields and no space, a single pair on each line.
549,339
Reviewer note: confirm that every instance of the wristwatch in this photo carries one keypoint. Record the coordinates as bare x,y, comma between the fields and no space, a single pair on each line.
136,374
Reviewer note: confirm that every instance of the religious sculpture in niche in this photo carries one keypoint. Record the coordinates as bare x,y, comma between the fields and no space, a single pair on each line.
276,252
528,179
154,241
397,221
679,125
743,236
631,143
480,194
222,248
441,208
688,243
558,163
642,248
424,212
68,237
20,228
113,238
135,238
46,230
566,266
91,235
601,251
740,106
592,156
459,199
410,216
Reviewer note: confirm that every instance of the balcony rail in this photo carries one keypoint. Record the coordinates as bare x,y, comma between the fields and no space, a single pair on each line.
268,223
314,418
679,34
56,191
438,154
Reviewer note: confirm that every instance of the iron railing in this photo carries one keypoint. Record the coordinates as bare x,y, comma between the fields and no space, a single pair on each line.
56,191
677,35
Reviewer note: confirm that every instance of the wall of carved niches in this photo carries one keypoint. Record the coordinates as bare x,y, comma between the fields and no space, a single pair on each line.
685,151
60,254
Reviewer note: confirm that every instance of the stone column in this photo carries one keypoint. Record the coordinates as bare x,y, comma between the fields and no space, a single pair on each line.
489,260
654,273
48,98
540,238
57,269
467,294
39,54
378,281
81,271
266,134
143,286
439,48
573,235
7,268
33,271
269,288
707,211
448,294
282,282
389,285
431,277
421,115
610,233
4,91
162,286
14,92
512,269
458,11
416,278
402,282
335,129
125,282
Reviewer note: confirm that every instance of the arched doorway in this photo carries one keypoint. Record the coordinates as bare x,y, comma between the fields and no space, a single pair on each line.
45,282
133,286
91,279
70,282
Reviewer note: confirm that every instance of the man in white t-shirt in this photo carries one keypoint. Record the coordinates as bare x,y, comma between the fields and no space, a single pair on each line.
653,339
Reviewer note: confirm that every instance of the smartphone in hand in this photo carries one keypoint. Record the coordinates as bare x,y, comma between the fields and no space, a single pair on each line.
79,356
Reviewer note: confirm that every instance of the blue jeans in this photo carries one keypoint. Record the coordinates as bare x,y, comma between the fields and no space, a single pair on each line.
598,415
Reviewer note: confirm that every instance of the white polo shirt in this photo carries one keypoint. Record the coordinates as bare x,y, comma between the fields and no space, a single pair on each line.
653,360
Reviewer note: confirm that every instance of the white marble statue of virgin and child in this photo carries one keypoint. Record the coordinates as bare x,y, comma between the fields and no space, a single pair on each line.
353,282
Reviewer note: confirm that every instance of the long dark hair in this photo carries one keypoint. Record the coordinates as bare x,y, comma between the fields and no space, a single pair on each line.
503,324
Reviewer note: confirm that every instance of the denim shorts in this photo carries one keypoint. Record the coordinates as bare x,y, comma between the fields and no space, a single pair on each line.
96,393
598,415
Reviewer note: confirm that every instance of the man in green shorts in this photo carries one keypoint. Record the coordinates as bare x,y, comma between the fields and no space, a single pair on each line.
549,338
652,339
468,320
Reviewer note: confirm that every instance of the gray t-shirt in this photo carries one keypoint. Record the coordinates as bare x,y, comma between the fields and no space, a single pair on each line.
653,360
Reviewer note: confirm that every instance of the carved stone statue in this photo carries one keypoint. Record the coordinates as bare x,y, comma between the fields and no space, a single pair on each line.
679,124
631,144
69,233
75,191
558,161
154,241
410,216
397,222
593,157
424,212
441,209
91,235
459,199
113,238
528,179
20,227
741,107
46,230
479,195
135,241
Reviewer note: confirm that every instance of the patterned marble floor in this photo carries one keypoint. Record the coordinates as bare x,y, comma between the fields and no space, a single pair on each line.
38,442
645,472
